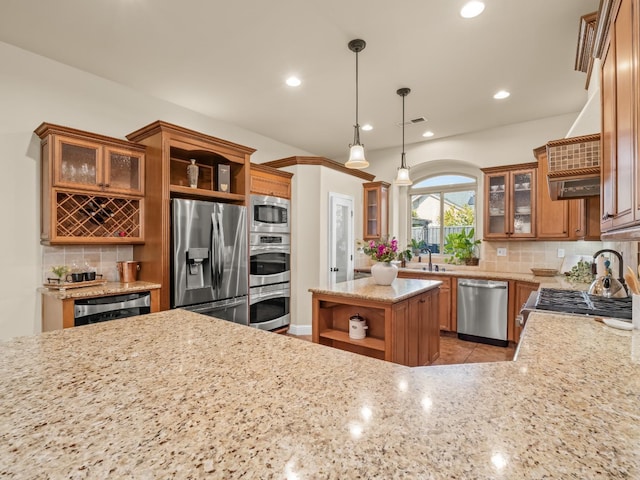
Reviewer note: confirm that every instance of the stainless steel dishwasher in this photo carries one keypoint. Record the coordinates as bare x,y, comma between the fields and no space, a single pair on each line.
482,311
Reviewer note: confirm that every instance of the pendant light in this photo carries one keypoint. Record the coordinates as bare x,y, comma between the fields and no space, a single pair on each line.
403,171
356,152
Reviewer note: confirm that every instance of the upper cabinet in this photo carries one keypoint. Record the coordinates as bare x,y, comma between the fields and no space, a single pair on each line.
270,181
91,165
510,201
92,188
618,46
376,210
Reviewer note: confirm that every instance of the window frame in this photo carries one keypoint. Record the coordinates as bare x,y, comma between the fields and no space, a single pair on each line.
441,190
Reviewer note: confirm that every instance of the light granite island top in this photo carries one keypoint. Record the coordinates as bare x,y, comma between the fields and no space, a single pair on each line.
367,289
179,395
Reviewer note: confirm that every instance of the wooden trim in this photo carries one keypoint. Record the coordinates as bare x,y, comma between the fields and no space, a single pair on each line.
259,167
593,137
607,7
504,168
46,129
586,39
321,161
165,127
575,173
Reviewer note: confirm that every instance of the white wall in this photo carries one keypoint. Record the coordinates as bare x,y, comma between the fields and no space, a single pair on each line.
311,185
34,89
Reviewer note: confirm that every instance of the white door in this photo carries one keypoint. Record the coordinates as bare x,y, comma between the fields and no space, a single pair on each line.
341,242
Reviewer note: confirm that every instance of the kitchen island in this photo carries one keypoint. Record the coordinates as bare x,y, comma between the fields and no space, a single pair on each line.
176,394
402,319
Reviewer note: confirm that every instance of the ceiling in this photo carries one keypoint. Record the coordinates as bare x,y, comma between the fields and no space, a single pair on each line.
229,60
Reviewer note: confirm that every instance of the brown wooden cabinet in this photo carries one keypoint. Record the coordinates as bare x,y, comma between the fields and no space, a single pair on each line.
563,219
521,291
376,210
92,188
169,149
510,202
445,309
270,181
405,332
620,71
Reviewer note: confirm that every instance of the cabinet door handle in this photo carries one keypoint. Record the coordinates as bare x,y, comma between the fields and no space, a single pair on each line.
107,185
607,216
422,300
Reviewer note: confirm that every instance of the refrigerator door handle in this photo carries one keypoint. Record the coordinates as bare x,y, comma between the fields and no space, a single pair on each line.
217,267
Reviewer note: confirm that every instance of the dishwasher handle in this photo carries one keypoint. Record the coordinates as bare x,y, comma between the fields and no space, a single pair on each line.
483,285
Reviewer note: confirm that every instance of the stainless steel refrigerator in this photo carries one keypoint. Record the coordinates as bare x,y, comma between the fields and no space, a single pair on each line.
209,268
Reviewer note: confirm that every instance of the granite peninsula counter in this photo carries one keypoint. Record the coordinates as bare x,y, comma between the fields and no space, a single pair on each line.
179,395
402,319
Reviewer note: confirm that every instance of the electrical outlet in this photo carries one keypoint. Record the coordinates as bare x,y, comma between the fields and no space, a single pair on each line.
502,252
561,253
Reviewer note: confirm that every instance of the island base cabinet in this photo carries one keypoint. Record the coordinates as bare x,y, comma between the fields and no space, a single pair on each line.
405,332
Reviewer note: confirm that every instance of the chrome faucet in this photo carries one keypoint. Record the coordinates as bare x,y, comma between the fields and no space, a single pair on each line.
620,266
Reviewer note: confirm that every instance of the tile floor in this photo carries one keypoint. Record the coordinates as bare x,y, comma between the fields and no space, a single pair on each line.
454,351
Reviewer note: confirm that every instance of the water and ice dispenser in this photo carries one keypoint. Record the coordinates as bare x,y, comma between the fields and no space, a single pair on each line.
198,268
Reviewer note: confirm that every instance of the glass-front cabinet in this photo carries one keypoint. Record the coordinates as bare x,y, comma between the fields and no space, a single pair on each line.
376,210
510,202
92,165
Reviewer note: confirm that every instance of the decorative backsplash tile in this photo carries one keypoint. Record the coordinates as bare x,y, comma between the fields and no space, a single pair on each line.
100,258
573,153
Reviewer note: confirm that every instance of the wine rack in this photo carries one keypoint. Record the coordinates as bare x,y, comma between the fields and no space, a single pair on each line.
98,218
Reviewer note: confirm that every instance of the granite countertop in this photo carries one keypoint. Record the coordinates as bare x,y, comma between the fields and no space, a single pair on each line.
557,281
109,288
367,289
143,398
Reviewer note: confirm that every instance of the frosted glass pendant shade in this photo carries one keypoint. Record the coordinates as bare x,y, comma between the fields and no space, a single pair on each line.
403,177
356,157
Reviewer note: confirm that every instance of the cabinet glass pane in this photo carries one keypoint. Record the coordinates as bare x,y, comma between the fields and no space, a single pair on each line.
78,164
522,203
124,171
371,202
497,204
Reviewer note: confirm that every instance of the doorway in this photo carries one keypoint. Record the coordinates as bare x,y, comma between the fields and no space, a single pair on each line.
341,242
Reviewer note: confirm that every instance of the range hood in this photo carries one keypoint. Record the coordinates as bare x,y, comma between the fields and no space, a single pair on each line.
574,167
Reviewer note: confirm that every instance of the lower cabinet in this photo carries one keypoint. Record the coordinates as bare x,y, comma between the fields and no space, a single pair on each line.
445,309
405,332
521,291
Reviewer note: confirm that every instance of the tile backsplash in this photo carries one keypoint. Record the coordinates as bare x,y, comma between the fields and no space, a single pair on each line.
102,258
522,256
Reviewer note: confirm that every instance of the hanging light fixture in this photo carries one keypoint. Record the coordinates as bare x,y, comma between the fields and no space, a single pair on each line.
403,171
356,152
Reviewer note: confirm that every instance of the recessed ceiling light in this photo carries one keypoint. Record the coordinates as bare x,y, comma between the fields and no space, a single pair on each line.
293,81
501,94
428,134
366,127
472,9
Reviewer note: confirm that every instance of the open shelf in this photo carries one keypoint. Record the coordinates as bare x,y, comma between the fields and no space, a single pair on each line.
340,336
195,193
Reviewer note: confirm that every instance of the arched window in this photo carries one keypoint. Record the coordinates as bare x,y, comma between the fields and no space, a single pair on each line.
439,205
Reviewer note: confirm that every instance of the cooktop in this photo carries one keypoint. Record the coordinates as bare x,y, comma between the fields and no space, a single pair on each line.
581,303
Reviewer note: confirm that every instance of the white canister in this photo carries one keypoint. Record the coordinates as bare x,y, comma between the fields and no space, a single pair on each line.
357,327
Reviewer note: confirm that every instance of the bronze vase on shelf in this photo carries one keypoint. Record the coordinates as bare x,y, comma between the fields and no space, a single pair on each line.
192,174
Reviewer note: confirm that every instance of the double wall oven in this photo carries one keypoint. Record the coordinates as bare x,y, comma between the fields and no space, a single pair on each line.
270,262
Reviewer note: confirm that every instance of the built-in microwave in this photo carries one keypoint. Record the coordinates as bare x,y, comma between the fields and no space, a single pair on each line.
269,214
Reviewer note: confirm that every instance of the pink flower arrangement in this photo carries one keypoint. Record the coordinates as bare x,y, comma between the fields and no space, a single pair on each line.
383,251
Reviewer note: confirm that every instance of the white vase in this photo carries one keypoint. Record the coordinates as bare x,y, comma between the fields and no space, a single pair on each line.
384,273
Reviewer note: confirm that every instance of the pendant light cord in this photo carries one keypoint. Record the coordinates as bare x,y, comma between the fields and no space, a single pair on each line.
356,134
403,165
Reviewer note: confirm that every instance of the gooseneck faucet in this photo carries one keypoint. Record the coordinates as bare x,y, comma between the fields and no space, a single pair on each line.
430,264
620,266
